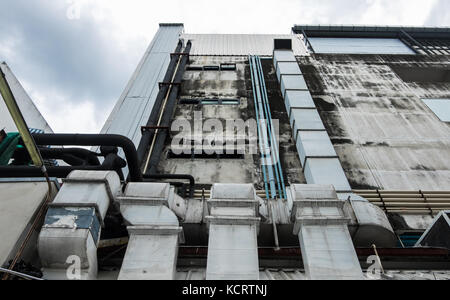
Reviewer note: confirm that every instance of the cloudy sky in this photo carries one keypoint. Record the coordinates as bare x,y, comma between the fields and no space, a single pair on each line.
74,57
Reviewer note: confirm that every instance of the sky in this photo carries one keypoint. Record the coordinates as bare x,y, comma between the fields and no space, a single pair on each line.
75,57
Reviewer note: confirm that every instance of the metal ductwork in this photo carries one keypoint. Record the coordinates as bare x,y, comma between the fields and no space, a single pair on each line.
318,157
154,231
322,228
233,228
68,240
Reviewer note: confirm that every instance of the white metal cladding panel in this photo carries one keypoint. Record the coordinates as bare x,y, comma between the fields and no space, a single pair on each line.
240,44
440,107
359,46
314,144
136,103
305,119
292,82
232,252
326,171
298,99
283,55
287,68
29,110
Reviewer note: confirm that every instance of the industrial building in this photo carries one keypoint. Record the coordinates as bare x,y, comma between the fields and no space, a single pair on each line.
320,154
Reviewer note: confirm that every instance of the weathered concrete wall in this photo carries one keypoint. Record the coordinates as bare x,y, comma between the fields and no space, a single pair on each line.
231,84
385,136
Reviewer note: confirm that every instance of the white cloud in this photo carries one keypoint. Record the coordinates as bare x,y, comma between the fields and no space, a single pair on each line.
65,116
77,69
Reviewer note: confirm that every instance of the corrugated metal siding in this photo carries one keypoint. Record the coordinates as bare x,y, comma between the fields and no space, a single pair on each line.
136,103
241,44
360,46
30,112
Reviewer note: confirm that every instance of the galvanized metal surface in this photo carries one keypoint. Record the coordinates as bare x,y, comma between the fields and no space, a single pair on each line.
360,46
240,44
136,103
233,229
29,110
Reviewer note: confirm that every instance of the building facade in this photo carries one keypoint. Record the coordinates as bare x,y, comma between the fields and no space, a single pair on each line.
320,154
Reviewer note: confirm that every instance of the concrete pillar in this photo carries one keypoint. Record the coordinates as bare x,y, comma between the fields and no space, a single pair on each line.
322,227
233,229
154,232
68,240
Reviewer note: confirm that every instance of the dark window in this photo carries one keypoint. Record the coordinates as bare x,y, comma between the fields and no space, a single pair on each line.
423,75
235,154
194,68
227,67
211,68
209,101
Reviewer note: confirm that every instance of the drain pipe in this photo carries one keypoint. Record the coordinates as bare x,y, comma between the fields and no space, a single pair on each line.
147,135
159,138
271,133
176,176
265,149
266,187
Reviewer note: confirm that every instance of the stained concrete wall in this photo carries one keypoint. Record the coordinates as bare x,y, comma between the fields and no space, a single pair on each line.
385,136
231,84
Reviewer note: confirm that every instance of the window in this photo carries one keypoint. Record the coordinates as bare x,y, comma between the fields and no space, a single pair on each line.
221,67
424,75
234,154
440,107
359,46
210,101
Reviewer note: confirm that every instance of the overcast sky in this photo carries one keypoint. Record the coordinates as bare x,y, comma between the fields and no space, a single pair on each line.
75,57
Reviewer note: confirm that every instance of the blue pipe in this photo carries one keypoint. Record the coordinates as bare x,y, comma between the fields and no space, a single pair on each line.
262,119
277,155
269,126
259,131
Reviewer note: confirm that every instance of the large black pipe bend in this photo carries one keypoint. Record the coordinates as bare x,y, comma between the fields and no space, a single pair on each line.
96,140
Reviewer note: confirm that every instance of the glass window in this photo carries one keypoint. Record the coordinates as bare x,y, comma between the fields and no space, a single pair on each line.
359,46
440,107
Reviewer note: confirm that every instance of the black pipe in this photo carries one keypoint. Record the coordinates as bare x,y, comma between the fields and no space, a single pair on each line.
168,114
153,119
90,158
175,176
58,172
96,140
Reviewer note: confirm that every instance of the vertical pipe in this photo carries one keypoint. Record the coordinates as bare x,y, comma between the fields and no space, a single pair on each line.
273,141
278,168
263,122
259,130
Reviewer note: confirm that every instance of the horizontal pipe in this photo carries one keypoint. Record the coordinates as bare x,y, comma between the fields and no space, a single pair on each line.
89,156
175,176
21,275
96,140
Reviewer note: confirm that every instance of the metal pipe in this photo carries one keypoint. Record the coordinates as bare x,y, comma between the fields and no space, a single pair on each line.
259,129
274,143
86,157
175,176
21,275
268,118
263,125
95,140
147,135
158,142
